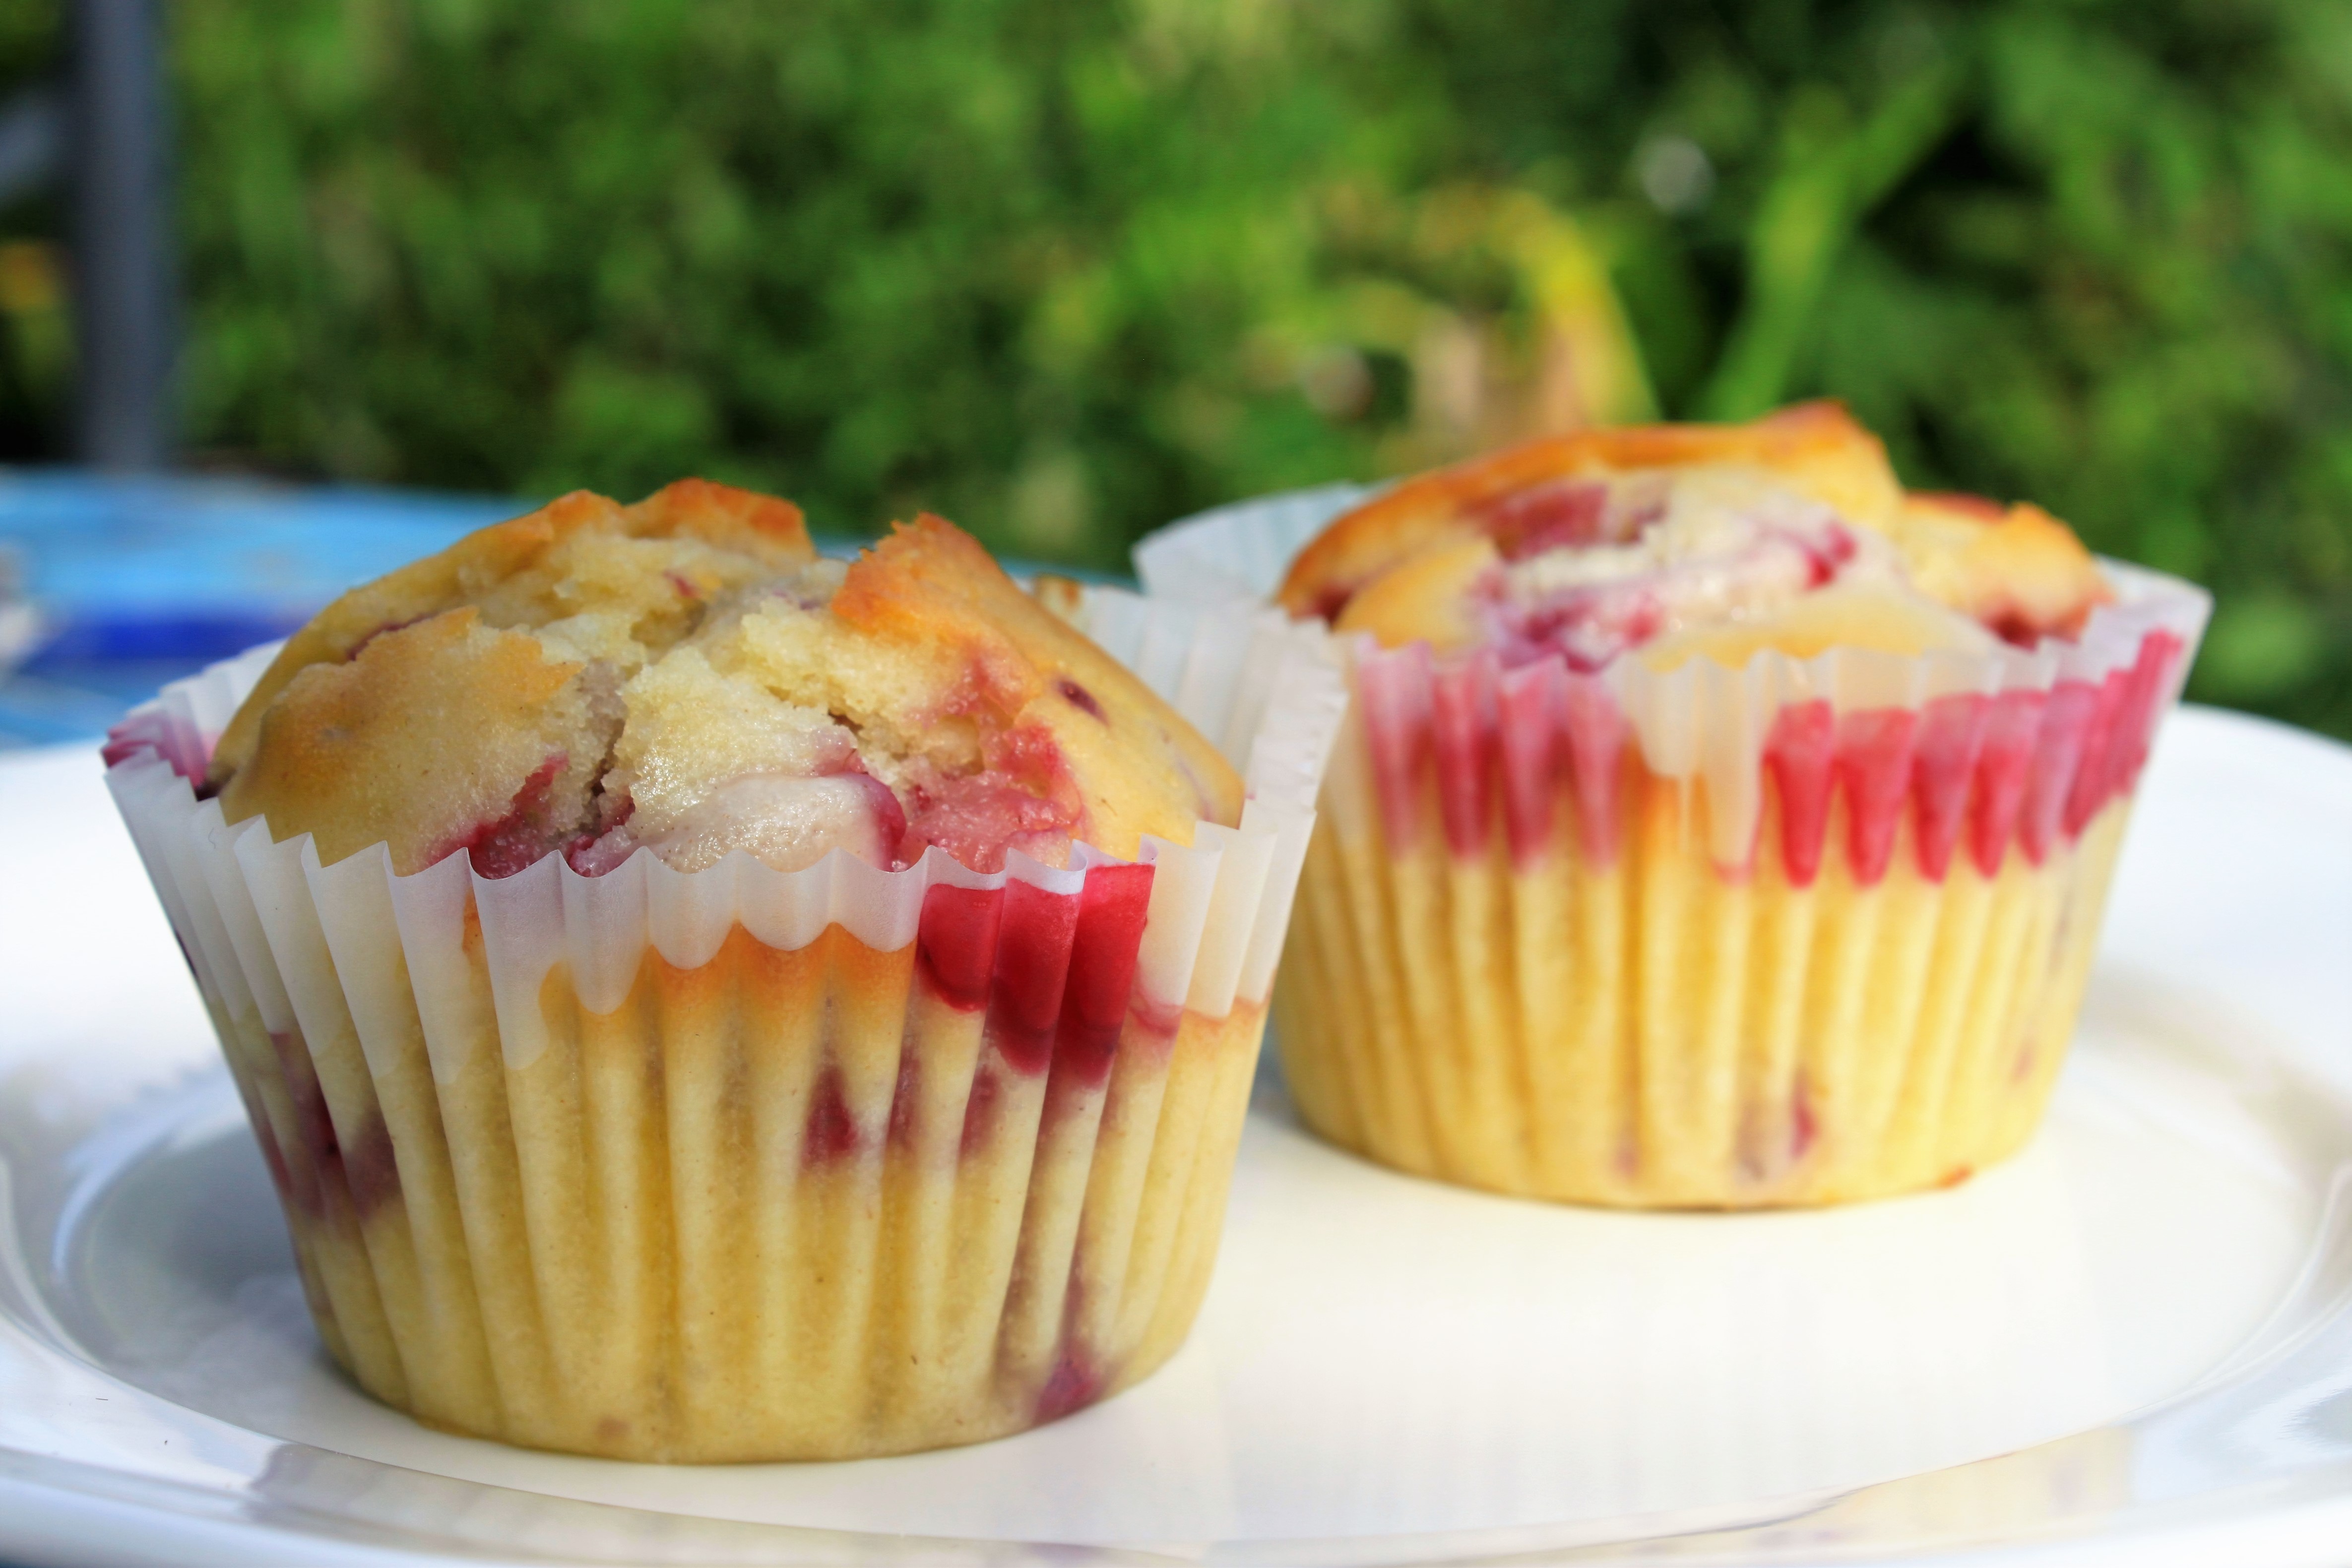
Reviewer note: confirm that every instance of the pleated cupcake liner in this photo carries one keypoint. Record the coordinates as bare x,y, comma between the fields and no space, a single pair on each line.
1800,931
739,1164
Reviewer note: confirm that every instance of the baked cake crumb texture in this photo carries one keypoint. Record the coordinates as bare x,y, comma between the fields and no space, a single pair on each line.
687,676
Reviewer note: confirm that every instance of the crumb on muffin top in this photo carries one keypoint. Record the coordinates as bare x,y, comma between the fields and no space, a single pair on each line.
1684,540
688,676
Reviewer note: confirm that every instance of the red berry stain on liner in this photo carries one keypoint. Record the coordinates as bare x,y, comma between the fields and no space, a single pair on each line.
1078,1378
1799,755
1101,973
955,943
2058,751
832,1133
180,747
1598,733
1943,761
314,1131
1557,727
1056,972
1393,688
906,1095
1032,961
273,1155
979,1110
281,1177
1558,724
1462,724
1157,1021
2003,763
1073,1383
364,1167
2026,767
1528,736
1874,767
369,1166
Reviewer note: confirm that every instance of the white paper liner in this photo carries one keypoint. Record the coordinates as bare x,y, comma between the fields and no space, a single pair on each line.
1268,693
267,926
186,719
1702,721
1248,545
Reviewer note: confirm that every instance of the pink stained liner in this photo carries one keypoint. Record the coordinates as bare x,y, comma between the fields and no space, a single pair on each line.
1497,748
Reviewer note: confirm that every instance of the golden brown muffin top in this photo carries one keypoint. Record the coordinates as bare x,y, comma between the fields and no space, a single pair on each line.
686,674
1790,532
2017,568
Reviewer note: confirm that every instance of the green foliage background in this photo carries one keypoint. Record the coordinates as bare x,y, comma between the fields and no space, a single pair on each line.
1065,271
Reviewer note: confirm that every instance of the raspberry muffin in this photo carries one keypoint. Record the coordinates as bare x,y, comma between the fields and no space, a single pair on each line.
700,1000
1719,825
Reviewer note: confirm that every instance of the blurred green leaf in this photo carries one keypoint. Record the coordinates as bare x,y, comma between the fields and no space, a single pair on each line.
1829,180
2260,644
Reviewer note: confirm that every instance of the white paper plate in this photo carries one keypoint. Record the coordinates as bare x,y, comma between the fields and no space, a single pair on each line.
2148,1314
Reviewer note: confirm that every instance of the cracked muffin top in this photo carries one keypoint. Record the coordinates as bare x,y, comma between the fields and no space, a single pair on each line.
687,676
1681,540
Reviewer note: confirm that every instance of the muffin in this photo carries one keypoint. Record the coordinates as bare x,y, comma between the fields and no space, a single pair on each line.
1718,825
703,1001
